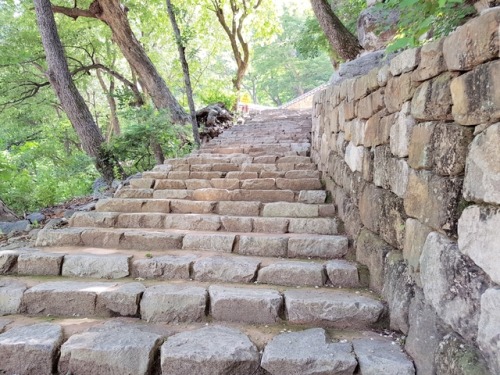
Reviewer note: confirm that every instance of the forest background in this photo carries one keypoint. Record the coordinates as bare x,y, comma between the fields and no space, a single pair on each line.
42,161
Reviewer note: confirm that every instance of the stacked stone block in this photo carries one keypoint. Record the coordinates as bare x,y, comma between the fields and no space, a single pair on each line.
411,155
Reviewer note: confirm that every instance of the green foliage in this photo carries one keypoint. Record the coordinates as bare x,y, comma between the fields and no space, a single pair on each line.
143,126
219,95
424,20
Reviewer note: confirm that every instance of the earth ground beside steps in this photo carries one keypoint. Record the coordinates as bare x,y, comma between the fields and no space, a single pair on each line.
228,261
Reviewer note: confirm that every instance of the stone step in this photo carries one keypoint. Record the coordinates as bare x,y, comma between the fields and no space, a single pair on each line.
148,178
232,208
284,245
205,222
184,265
117,346
173,302
294,184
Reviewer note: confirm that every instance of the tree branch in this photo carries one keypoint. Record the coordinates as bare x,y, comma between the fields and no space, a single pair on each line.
73,12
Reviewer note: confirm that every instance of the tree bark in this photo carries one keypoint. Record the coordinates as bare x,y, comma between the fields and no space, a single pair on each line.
114,15
113,117
6,213
71,101
340,39
233,29
185,71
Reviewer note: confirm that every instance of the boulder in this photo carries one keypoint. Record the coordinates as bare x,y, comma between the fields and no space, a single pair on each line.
488,336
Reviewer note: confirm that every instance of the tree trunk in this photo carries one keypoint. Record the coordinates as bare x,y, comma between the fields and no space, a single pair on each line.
6,214
113,13
157,151
185,71
71,101
340,39
113,117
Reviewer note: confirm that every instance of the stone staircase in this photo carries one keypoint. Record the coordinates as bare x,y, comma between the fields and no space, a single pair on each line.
228,261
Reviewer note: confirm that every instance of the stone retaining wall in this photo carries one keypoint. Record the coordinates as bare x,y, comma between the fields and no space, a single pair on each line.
411,155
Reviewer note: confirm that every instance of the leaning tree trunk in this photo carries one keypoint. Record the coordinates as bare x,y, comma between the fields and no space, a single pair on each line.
185,71
71,101
340,39
113,13
6,213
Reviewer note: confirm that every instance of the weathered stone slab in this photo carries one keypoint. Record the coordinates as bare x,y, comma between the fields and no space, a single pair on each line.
389,172
59,237
209,242
473,43
397,291
64,298
30,350
482,174
313,226
455,356
191,207
382,356
195,183
431,61
237,224
93,219
479,238
293,274
149,240
173,194
371,251
488,336
354,157
325,247
342,273
96,266
39,264
194,222
382,212
212,350
11,294
245,305
415,235
337,309
432,100
424,334
405,62
109,352
225,269
440,195
173,303
270,224
263,245
443,270
108,238
308,352
135,193
166,267
286,209
141,220
398,90
239,208
400,132
259,184
475,95
312,196
122,299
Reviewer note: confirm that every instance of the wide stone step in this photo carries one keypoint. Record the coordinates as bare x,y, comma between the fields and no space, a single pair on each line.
262,183
182,265
254,244
207,222
173,302
301,208
116,346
